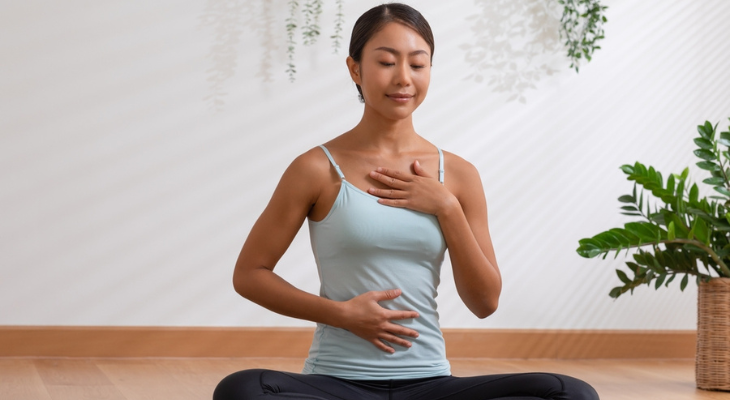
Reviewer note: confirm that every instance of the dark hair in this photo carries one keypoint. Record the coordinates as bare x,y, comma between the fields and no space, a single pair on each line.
376,18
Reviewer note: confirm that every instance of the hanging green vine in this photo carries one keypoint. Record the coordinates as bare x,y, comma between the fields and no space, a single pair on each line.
339,21
311,12
291,27
582,28
310,31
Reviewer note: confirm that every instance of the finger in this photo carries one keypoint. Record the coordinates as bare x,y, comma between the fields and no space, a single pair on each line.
419,170
400,203
395,340
388,180
401,314
400,330
388,193
394,173
382,346
387,294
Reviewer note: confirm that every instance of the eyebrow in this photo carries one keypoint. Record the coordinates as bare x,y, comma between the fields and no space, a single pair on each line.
396,52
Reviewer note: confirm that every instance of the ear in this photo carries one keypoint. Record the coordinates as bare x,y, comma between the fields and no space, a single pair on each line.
354,68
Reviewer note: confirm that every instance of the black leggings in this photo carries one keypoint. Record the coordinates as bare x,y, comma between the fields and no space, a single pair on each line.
267,384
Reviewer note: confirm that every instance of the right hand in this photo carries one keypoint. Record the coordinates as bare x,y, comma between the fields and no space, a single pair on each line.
367,319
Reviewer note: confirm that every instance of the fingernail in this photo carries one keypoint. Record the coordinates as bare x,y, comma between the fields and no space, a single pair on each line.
379,169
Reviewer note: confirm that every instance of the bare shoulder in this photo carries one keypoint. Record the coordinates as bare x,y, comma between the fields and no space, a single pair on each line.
463,175
306,175
311,166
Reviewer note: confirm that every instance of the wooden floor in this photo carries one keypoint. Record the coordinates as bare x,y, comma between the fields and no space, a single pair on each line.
195,378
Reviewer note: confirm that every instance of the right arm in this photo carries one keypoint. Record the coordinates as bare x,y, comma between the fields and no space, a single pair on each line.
297,193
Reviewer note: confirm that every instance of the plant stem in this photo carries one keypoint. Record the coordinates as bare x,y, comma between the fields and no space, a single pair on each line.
723,268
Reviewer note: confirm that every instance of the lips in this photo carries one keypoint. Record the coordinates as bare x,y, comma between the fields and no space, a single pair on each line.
400,97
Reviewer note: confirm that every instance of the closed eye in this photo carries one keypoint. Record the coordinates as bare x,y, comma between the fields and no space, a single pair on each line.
417,66
387,64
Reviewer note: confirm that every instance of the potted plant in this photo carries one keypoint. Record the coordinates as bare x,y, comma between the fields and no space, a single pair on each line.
681,236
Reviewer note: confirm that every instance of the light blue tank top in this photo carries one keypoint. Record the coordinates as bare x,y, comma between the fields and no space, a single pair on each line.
360,246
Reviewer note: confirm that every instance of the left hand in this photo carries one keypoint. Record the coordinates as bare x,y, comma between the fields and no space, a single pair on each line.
420,192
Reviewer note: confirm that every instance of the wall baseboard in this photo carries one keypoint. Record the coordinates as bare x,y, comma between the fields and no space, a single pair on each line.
113,341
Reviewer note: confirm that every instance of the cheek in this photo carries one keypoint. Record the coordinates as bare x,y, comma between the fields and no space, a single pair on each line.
423,80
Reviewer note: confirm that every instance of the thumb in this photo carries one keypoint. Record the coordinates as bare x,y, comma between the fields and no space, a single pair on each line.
418,169
387,294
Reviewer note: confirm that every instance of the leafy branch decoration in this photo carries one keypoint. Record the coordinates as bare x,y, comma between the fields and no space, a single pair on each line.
291,27
339,21
311,11
310,30
681,233
582,28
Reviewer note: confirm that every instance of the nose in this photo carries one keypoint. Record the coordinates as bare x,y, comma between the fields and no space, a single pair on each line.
402,74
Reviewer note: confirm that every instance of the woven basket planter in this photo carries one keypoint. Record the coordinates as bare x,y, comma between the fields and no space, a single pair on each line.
712,367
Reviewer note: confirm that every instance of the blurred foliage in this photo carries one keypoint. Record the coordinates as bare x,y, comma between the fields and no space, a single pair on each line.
681,234
582,28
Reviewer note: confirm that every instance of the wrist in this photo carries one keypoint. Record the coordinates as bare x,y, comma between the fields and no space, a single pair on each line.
451,207
336,315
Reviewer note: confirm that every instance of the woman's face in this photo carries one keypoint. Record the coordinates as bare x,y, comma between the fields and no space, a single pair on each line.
394,71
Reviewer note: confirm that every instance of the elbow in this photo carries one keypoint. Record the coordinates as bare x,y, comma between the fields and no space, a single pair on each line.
239,284
486,307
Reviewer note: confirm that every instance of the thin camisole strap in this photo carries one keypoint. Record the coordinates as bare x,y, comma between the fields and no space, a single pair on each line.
441,166
332,160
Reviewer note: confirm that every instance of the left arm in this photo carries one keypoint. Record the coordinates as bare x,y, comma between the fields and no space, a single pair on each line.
461,209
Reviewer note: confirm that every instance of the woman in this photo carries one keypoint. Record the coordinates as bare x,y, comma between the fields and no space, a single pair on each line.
383,205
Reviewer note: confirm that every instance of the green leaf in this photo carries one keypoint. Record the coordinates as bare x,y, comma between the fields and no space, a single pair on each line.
680,189
659,280
714,181
670,183
694,193
724,138
635,268
622,276
684,282
704,143
702,129
641,200
685,173
670,231
705,154
671,278
616,292
708,165
625,237
722,189
628,170
589,248
626,199
646,231
609,239
709,129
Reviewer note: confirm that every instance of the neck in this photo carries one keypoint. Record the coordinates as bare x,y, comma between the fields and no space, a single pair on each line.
377,132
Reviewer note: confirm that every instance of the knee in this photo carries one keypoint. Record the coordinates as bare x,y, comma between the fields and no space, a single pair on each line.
576,389
239,385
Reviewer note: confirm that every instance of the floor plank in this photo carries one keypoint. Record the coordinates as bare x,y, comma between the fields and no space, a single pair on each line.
140,379
196,378
19,380
76,379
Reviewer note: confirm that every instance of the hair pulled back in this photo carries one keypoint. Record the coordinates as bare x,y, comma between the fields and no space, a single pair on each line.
373,20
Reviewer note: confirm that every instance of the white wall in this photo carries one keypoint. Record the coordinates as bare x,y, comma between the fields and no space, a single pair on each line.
139,142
